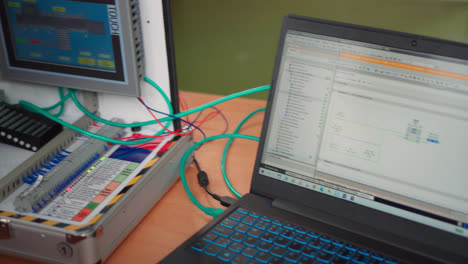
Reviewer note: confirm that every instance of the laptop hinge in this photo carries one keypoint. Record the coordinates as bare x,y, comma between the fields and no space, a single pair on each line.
309,212
329,219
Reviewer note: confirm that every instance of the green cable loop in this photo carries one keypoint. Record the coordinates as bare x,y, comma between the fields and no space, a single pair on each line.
207,210
108,122
228,144
72,92
63,99
164,119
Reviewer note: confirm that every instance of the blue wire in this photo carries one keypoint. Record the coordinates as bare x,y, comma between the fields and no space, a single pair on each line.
224,117
175,117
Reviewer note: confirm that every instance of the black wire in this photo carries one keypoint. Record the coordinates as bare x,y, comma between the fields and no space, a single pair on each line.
196,164
204,182
215,196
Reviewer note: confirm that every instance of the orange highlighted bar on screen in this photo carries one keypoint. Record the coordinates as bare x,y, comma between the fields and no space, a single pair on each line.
405,66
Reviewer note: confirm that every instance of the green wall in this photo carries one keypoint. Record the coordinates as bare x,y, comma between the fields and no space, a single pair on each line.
226,46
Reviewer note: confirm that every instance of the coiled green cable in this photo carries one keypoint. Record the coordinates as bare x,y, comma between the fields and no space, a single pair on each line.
207,210
228,144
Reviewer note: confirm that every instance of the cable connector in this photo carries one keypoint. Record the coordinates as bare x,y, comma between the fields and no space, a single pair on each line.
226,201
204,182
203,179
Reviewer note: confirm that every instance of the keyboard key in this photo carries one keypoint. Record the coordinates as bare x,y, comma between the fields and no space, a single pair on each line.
306,260
377,256
236,246
275,229
360,258
296,246
301,230
222,231
324,256
210,236
277,222
237,215
278,251
226,255
222,241
331,248
254,261
319,261
238,236
338,243
265,218
317,243
255,232
282,241
262,224
345,252
212,249
264,246
350,247
289,226
302,238
242,210
251,241
288,233
375,261
364,251
276,260
312,234
200,245
390,261
241,227
268,237
249,251
339,260
240,259
229,223
310,251
292,256
325,238
263,257
250,220
254,214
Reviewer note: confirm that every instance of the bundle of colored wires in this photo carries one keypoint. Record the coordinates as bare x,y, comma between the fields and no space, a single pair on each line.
151,110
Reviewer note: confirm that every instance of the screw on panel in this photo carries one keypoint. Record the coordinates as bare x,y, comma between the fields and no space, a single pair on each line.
64,249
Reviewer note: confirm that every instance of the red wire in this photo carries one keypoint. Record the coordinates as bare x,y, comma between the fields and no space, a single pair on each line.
170,131
209,117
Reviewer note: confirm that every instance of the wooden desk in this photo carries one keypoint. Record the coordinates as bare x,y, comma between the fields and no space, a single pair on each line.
175,218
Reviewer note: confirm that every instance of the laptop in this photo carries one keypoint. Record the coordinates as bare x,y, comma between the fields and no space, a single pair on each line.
362,156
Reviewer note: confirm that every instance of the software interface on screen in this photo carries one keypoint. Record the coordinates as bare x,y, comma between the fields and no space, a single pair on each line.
377,126
74,37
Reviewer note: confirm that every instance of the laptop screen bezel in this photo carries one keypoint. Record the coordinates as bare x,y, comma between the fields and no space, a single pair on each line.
405,231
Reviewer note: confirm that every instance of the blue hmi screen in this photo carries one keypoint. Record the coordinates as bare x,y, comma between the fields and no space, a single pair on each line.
72,37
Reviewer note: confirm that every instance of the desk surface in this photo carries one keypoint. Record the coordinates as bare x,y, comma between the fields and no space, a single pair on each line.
175,218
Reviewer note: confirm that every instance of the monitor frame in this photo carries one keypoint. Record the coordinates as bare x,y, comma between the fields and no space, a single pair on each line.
129,67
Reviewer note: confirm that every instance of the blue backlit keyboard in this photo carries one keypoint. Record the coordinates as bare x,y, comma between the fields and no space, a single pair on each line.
247,237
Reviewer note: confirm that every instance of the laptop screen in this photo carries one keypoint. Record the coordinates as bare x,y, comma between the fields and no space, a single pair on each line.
381,127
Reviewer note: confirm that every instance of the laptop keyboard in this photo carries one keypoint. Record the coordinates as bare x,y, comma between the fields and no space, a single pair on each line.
248,237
